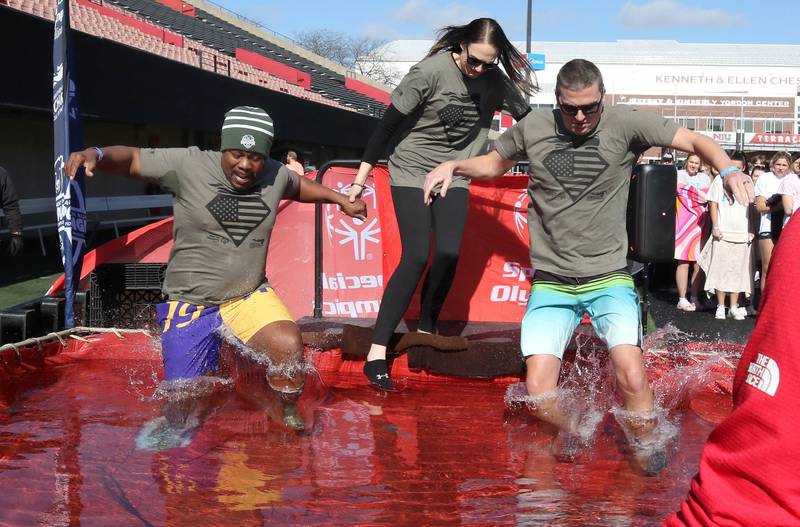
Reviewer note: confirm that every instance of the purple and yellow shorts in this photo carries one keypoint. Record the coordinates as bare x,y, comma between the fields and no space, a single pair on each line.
192,334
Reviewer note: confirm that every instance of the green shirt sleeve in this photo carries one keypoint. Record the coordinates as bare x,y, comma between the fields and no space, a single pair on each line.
511,145
292,182
413,90
648,129
164,166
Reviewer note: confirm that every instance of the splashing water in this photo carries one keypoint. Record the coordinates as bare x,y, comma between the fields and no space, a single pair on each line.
262,359
179,389
681,366
586,394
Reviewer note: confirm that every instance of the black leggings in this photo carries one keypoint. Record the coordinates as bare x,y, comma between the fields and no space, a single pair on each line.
446,217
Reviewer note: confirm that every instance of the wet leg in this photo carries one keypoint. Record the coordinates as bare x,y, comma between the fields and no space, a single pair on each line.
282,343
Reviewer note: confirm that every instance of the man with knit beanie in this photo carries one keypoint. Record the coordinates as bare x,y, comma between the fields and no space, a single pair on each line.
225,206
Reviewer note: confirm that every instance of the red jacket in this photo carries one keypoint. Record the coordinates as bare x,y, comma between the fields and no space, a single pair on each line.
750,466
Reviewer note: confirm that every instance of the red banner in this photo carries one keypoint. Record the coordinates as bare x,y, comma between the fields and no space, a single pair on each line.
775,139
352,277
493,276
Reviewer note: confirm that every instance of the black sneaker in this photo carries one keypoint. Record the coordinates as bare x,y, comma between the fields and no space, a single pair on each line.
378,375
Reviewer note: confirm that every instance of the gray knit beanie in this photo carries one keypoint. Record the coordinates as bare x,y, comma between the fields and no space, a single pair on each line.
248,129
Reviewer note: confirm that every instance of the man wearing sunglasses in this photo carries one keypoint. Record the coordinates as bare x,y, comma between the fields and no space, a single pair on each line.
581,155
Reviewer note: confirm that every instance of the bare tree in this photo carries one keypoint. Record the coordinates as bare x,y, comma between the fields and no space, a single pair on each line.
364,55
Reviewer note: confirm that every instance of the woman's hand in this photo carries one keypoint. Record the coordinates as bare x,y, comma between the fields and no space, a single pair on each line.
356,189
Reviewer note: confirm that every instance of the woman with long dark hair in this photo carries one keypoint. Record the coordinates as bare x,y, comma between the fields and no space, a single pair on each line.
441,110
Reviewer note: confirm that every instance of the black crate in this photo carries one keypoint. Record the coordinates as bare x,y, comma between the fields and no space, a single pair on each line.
19,324
125,295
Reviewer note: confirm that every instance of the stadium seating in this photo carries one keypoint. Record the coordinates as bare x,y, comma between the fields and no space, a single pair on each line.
203,41
225,37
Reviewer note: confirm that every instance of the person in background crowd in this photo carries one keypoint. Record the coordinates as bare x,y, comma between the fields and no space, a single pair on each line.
796,163
756,169
749,467
758,165
667,159
441,110
758,160
691,229
789,189
9,201
293,164
727,258
767,202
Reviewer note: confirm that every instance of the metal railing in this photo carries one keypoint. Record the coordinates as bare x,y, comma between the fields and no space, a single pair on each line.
94,206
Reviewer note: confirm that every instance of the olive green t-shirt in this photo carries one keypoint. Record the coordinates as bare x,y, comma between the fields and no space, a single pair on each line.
220,235
578,185
449,116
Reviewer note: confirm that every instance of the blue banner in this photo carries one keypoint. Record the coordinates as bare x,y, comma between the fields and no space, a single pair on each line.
537,61
67,137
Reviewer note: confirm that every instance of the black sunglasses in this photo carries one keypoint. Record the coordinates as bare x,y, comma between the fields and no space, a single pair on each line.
587,109
473,62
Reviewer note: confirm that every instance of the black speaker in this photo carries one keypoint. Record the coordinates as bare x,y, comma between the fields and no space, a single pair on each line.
651,213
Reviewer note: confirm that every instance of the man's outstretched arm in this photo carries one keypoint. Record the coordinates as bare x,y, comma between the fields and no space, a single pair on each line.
486,166
310,191
119,160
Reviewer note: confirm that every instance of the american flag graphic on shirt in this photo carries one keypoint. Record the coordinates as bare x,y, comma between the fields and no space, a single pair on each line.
460,117
237,214
576,169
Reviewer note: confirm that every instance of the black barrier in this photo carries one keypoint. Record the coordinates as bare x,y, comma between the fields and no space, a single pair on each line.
39,316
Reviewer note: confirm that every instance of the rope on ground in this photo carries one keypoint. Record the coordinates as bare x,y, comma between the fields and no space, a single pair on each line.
693,355
74,333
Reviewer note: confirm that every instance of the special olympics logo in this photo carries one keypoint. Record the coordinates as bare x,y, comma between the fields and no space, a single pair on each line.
352,231
248,141
521,214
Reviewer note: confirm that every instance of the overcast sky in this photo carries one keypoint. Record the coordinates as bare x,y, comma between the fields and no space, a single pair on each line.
765,22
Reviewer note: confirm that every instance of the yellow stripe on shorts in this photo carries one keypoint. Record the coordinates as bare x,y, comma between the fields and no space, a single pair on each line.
247,315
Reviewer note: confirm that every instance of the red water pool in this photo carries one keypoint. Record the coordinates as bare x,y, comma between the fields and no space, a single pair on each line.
435,454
